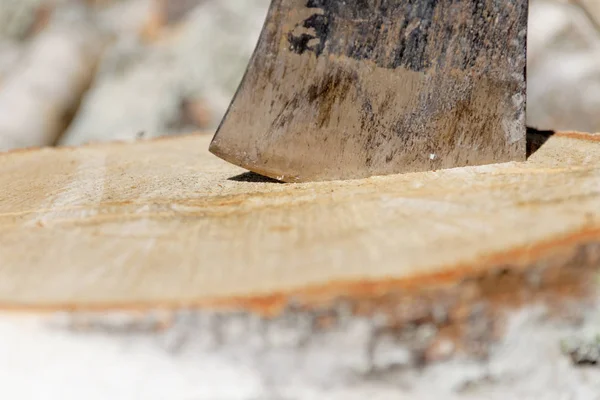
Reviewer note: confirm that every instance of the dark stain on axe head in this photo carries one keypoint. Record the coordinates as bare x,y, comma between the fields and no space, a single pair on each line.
414,34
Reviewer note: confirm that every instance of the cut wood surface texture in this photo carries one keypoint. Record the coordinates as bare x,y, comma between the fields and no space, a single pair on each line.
164,223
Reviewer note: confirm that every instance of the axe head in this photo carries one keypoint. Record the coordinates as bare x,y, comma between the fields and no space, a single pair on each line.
355,88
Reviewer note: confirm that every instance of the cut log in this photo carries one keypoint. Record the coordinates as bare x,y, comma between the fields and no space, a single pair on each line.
168,211
307,290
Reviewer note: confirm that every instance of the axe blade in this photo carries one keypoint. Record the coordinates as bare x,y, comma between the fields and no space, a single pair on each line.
356,88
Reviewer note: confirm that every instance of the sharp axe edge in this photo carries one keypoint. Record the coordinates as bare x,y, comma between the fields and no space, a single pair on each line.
345,90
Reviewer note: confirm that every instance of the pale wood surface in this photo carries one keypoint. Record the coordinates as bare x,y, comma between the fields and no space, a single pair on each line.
163,223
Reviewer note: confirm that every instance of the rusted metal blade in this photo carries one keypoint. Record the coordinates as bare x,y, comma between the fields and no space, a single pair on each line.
350,89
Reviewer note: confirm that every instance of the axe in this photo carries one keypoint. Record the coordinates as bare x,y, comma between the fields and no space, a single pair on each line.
345,89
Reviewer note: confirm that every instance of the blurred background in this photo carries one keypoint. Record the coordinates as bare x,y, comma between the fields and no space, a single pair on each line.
82,71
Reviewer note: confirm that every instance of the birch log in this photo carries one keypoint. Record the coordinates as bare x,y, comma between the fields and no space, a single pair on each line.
154,270
38,98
